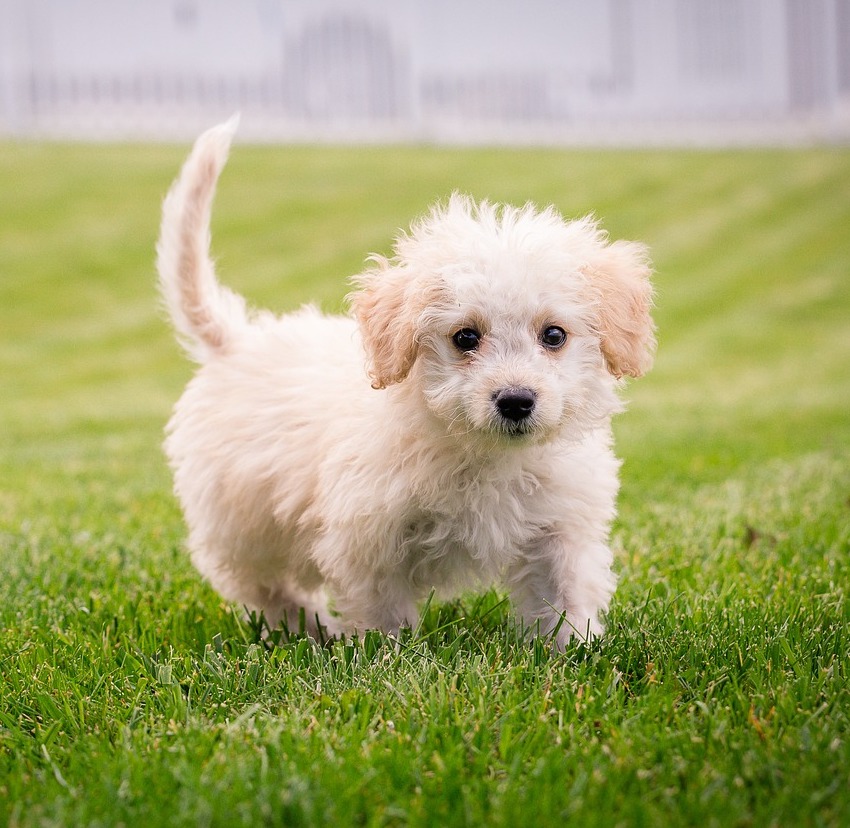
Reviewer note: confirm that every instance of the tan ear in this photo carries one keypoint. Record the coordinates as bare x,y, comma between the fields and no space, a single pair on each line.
388,321
620,274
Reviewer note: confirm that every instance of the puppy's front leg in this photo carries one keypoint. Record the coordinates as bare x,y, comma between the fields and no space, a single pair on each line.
562,584
375,604
368,592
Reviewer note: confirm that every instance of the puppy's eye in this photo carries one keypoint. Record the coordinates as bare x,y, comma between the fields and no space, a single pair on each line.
553,337
467,339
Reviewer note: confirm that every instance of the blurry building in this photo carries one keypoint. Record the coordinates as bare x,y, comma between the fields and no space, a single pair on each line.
539,71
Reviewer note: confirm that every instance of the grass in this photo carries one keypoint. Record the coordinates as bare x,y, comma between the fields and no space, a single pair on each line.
131,694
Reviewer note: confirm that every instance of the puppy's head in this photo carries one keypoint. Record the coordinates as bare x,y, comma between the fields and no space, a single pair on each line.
512,322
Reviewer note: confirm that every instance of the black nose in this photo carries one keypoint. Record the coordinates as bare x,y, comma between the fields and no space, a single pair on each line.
515,403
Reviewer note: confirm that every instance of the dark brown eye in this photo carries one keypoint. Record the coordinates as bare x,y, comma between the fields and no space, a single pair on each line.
466,339
553,337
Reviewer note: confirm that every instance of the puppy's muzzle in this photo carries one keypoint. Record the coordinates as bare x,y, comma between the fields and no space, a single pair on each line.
515,404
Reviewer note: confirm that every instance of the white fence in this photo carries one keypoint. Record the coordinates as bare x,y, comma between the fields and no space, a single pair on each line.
540,71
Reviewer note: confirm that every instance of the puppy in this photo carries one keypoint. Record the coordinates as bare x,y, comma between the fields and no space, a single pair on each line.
453,432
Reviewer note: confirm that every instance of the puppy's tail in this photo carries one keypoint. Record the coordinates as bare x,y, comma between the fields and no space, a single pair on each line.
206,315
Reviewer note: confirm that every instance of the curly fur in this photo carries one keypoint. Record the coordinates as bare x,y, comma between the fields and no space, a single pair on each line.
367,459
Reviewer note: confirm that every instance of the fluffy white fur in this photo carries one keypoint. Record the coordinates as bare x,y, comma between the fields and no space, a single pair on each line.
366,459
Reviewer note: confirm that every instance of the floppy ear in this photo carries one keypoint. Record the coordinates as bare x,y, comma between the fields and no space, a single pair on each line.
386,310
620,275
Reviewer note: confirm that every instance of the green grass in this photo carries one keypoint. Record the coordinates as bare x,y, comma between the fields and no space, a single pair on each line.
131,694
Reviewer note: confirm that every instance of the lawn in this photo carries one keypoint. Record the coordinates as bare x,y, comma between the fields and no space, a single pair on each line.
131,694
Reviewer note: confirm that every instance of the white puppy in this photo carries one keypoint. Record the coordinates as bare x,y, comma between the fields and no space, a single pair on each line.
453,432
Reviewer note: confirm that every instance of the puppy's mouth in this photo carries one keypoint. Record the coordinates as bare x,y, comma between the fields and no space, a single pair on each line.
516,431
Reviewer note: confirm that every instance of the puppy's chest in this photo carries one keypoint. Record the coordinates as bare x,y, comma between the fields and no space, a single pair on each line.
475,523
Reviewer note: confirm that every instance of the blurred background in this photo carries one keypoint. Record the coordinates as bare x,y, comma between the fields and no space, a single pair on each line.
702,72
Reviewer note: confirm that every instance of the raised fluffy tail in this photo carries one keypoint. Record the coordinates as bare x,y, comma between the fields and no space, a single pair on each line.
205,314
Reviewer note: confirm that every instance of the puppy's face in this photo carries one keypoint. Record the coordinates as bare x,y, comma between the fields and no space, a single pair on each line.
509,321
506,353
